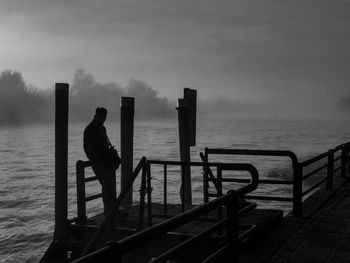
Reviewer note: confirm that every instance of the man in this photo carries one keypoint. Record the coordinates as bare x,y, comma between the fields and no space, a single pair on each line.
97,150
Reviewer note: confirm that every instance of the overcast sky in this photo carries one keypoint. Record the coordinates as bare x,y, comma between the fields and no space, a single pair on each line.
289,57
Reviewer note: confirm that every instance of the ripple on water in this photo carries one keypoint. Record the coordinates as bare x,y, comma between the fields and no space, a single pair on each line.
22,247
15,203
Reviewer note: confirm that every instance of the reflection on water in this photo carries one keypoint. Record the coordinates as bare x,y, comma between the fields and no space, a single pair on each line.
27,167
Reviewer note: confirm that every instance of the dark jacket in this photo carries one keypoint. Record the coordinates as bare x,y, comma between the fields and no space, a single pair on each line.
96,143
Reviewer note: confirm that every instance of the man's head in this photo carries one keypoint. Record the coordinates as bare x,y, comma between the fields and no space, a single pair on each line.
100,115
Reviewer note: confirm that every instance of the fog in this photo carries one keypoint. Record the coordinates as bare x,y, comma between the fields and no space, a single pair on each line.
22,103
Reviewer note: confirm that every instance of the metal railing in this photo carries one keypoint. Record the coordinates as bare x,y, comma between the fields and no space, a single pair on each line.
326,161
114,250
298,173
81,180
139,167
166,164
335,160
81,193
296,182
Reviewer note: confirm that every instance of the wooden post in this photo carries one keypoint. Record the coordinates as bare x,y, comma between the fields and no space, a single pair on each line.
126,144
330,169
185,156
191,96
61,156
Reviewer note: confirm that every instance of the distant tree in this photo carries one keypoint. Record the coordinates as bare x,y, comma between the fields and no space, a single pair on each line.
12,92
81,81
20,103
148,104
87,94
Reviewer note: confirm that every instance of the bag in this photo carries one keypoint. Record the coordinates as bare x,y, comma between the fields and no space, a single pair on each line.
113,158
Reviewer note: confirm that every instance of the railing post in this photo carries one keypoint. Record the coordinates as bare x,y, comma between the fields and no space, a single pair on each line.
81,205
232,227
298,190
142,197
165,192
219,190
205,177
330,169
343,162
149,194
115,255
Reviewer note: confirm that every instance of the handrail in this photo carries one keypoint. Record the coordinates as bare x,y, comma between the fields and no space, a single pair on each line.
115,249
166,163
81,197
180,219
298,176
118,202
297,173
290,154
329,164
204,160
314,159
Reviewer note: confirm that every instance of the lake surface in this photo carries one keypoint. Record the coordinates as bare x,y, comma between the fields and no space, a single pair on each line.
27,167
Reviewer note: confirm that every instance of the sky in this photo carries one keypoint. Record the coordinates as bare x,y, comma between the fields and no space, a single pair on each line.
284,58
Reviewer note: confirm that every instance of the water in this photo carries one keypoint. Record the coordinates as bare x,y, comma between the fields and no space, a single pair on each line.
27,167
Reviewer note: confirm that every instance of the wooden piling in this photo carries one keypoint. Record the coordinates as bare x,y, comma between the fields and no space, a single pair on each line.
61,156
127,110
183,110
191,96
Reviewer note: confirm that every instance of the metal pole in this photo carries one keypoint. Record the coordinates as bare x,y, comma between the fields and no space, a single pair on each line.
219,190
81,205
343,162
149,194
142,198
232,227
183,115
298,190
61,156
330,169
165,192
127,144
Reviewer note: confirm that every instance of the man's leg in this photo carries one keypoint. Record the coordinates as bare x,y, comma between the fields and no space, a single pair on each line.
108,183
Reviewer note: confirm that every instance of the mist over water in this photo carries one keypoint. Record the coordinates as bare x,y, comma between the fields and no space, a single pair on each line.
27,167
22,103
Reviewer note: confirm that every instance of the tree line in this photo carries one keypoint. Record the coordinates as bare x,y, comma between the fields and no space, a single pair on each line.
21,103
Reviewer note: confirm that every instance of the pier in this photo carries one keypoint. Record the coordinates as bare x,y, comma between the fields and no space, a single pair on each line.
226,227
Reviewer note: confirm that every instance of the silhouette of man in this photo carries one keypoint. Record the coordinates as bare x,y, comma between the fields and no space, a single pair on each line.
96,147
